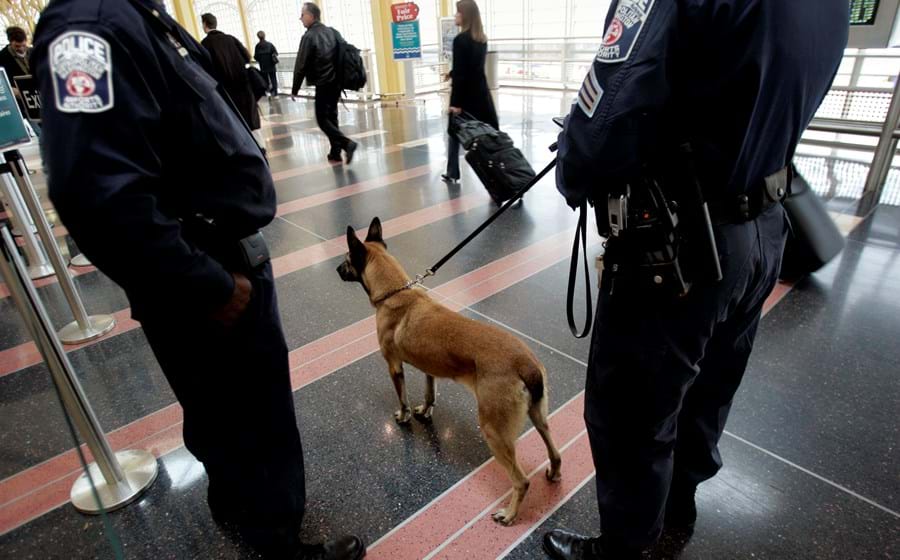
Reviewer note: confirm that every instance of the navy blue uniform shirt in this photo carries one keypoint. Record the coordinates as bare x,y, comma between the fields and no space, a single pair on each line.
739,79
137,136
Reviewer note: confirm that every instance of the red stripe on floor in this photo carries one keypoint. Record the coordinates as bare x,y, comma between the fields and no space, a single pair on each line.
350,190
467,500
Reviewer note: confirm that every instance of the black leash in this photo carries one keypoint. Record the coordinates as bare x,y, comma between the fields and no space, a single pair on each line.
433,270
580,232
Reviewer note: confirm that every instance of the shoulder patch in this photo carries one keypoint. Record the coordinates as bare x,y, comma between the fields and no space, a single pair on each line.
81,64
590,94
623,30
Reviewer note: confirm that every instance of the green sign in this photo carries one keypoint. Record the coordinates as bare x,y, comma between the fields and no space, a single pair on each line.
863,12
12,127
407,40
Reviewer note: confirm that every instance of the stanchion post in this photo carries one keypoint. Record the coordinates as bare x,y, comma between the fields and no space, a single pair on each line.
38,265
884,153
118,478
85,327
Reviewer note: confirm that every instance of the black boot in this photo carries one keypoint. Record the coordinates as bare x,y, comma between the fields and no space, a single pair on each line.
563,545
681,509
349,547
350,150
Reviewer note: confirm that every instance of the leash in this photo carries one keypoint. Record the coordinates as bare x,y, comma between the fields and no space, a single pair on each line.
580,235
436,266
431,271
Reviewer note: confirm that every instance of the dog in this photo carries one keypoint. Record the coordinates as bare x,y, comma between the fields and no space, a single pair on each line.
507,379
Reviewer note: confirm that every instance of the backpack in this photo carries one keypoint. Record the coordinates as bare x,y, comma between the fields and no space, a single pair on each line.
351,72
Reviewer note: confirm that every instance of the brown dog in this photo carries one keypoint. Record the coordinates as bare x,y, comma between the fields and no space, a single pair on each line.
506,378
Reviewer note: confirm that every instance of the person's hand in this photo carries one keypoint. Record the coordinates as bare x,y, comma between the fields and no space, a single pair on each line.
446,77
455,111
240,298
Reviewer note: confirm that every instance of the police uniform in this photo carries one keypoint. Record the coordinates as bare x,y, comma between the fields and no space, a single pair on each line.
158,179
739,81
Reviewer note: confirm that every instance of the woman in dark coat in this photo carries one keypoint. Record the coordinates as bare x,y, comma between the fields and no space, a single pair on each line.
230,59
469,90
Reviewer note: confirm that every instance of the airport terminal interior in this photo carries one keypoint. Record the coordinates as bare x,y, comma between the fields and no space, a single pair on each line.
812,448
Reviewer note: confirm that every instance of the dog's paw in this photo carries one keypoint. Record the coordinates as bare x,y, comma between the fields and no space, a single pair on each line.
553,474
423,412
504,518
403,416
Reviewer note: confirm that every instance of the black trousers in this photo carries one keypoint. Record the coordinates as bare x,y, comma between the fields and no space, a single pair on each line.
327,99
662,376
272,77
452,157
239,421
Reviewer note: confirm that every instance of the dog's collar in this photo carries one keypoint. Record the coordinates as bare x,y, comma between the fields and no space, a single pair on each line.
392,293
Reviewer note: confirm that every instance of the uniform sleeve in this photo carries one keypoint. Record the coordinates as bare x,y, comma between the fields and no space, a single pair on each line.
300,66
614,122
104,173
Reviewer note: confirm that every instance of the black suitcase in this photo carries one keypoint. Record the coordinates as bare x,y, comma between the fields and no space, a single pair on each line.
815,239
503,169
500,166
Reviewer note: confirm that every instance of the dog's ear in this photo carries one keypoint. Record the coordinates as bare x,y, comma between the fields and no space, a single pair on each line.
357,248
374,235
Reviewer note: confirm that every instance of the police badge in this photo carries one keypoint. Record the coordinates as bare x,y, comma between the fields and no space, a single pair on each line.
623,30
82,73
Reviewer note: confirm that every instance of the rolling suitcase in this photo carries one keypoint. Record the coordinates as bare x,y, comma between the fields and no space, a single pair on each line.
499,165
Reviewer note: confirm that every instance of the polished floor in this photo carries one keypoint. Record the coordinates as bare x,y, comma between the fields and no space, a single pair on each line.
812,452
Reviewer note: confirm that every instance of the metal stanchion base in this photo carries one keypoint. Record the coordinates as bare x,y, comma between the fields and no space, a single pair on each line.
40,271
140,470
80,261
74,334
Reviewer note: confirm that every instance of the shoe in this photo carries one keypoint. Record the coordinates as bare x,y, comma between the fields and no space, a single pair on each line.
681,510
563,545
335,158
348,547
449,180
351,149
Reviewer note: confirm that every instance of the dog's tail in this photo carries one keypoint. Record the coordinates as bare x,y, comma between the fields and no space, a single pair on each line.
533,377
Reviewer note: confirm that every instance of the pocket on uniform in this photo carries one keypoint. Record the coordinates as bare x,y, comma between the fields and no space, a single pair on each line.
211,112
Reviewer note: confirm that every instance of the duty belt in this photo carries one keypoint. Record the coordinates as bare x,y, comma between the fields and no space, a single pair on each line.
747,206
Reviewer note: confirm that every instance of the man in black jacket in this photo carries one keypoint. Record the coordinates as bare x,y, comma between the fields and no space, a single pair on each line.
267,56
316,64
230,59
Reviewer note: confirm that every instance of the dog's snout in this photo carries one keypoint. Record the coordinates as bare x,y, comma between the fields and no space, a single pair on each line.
344,271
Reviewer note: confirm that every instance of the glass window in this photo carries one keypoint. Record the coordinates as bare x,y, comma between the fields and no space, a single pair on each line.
227,14
429,13
353,18
587,17
280,19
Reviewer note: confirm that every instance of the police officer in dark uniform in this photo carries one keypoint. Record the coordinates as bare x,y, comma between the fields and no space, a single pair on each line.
687,101
160,182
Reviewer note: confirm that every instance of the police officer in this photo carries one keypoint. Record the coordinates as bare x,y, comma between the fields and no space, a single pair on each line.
737,81
160,182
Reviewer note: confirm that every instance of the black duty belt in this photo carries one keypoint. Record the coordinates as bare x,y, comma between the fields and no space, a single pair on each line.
749,205
242,255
